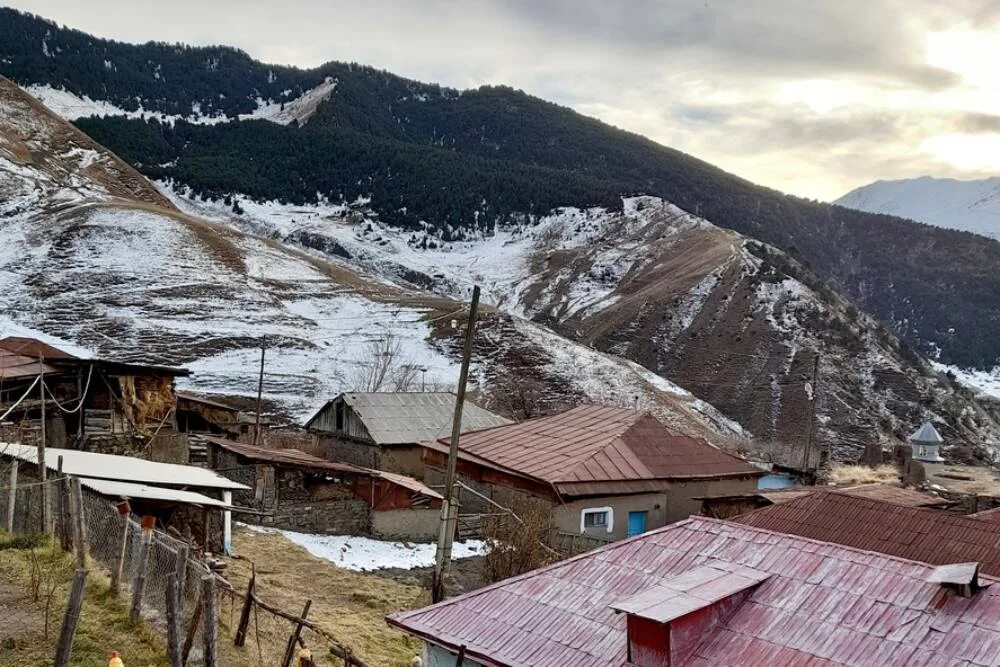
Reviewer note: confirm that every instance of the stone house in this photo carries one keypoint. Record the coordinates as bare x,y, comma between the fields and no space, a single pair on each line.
293,490
605,472
385,430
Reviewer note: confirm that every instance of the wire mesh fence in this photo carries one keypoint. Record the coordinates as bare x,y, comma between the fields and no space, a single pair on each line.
130,570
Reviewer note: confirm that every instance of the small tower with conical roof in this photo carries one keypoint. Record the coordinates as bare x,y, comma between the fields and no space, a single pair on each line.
926,444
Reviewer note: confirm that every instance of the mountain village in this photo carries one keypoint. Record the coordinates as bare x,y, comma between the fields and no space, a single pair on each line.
245,426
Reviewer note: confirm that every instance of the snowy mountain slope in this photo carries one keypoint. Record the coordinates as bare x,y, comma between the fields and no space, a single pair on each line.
733,320
970,206
91,254
283,111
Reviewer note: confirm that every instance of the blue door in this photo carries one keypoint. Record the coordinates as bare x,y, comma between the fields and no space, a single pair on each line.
636,523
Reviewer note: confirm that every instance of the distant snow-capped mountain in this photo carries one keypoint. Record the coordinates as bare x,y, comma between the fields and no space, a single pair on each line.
971,206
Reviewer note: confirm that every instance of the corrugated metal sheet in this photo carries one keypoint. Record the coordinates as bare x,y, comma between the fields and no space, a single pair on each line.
823,604
122,468
399,418
129,490
583,449
885,492
926,535
987,515
32,347
294,457
14,366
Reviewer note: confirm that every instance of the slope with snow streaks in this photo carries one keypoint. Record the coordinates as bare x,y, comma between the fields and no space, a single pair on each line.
735,321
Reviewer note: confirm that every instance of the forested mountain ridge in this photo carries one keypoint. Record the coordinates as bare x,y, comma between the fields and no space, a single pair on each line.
454,161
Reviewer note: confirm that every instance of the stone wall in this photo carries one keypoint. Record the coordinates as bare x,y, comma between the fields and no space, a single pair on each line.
348,451
418,525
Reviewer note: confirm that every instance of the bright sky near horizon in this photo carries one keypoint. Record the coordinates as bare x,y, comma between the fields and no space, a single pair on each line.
806,96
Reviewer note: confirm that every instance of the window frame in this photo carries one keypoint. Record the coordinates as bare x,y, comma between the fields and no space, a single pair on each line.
608,511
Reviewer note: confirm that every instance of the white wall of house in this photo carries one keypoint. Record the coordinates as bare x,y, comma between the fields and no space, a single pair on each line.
435,656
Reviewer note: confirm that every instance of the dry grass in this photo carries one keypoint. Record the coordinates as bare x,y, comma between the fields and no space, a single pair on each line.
351,606
103,622
842,475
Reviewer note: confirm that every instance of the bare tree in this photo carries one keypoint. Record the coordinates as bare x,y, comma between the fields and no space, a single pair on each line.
384,367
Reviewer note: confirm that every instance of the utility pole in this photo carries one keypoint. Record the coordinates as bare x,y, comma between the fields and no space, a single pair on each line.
42,472
260,391
812,411
449,507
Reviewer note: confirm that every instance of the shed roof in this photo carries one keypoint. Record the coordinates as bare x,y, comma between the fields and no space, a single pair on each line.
32,347
583,449
927,535
128,490
823,604
16,366
896,495
987,515
399,418
121,468
298,458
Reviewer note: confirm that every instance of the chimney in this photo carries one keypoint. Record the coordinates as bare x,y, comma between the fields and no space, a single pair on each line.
926,443
962,578
668,621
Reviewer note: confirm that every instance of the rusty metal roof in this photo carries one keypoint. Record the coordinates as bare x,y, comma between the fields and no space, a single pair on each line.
32,347
987,515
412,417
298,458
823,604
584,448
896,495
927,535
14,366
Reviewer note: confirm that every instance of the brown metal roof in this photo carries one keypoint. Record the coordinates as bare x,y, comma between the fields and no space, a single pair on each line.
32,347
885,492
300,459
926,535
584,447
14,366
987,515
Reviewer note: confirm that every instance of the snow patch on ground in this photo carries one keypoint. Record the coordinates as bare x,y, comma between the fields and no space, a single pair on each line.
363,554
984,382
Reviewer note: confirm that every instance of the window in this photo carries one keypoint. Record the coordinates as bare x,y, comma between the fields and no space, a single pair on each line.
595,519
339,412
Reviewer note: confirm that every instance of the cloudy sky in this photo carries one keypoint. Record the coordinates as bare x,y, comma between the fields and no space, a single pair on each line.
807,96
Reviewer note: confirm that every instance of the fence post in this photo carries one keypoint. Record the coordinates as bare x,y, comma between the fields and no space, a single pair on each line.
293,640
173,623
63,492
180,570
119,570
79,532
12,496
241,629
140,578
210,632
193,628
65,646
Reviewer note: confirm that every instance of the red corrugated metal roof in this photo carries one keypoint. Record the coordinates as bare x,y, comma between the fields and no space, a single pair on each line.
926,535
589,445
824,604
